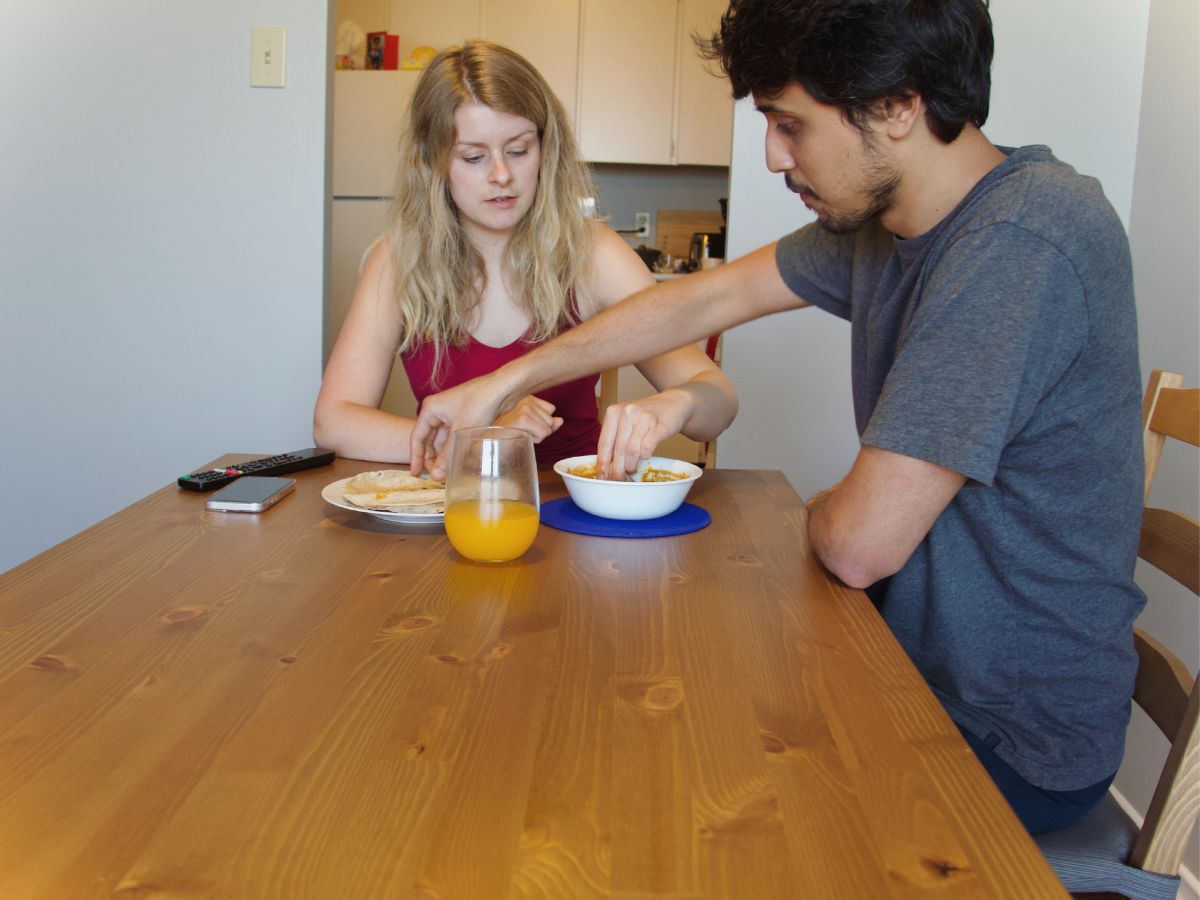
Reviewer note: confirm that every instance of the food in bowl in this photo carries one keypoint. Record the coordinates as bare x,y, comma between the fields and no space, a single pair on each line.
644,473
639,498
655,474
587,471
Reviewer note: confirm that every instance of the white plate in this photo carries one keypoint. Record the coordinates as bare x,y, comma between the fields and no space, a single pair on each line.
334,493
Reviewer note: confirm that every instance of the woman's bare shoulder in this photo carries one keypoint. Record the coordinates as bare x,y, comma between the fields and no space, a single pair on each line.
617,271
605,239
378,253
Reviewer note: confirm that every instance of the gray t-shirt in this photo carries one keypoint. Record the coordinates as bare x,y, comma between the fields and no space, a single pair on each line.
1002,344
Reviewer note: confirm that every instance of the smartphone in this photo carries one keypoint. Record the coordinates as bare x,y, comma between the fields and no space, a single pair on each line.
251,493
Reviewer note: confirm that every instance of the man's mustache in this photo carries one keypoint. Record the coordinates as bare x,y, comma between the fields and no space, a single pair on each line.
797,188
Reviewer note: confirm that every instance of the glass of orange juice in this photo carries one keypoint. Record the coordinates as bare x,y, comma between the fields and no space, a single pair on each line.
491,493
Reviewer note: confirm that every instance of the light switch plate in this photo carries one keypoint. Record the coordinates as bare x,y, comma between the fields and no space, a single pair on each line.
268,53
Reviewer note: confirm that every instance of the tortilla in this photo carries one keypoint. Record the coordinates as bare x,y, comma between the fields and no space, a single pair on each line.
393,489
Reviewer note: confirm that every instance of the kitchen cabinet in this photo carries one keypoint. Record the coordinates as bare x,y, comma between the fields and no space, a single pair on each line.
437,25
552,46
704,105
627,80
626,71
368,113
546,32
645,95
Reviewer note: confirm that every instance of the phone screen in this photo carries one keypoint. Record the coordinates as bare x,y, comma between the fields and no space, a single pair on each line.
250,493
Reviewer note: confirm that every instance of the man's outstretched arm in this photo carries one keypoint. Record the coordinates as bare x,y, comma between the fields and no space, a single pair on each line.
649,323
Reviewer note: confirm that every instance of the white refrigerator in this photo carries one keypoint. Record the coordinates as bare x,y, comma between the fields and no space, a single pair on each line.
368,111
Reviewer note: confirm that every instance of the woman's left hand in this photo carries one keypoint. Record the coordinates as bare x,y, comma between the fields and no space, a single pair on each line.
533,414
632,431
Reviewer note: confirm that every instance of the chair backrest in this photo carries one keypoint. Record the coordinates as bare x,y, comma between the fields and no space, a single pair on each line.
1165,689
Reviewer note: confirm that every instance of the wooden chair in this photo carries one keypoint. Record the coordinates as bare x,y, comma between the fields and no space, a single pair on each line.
610,386
1106,851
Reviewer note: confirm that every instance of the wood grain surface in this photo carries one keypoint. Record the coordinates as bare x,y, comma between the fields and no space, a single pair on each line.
314,703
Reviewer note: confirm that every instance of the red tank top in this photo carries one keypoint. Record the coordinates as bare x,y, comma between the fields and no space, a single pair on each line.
575,401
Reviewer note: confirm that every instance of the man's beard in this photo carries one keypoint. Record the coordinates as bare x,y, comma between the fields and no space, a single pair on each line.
882,185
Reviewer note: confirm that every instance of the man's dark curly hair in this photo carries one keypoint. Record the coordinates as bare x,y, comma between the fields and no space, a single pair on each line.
853,54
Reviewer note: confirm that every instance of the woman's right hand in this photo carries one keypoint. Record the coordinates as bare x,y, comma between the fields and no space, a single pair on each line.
534,415
632,431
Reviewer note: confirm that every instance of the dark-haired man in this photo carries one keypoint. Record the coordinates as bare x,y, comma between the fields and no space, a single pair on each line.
992,511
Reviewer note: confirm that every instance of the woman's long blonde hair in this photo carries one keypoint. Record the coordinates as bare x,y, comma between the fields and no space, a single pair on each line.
438,275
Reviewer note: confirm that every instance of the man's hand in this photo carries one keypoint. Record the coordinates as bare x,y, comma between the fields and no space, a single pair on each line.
474,402
532,414
632,431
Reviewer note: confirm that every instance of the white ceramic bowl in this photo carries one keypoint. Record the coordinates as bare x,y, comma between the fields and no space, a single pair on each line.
628,499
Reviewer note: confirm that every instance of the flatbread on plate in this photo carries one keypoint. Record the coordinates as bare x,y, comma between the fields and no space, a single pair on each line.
395,490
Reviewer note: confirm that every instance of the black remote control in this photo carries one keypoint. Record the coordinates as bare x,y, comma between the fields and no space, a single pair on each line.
268,465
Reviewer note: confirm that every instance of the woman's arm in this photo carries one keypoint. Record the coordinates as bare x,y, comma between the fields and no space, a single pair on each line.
347,418
695,397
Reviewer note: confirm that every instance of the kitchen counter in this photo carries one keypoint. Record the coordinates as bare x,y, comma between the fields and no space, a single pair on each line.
670,276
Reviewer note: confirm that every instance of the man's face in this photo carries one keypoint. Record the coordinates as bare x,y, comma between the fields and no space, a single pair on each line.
841,173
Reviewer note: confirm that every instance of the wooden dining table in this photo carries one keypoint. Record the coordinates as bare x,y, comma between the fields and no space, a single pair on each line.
312,702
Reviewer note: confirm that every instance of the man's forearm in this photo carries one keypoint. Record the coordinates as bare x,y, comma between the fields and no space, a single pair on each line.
649,323
642,327
656,320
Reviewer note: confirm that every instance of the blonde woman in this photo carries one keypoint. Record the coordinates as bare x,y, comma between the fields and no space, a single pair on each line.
487,254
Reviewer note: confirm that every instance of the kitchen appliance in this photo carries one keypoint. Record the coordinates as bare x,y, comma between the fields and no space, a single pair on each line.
707,249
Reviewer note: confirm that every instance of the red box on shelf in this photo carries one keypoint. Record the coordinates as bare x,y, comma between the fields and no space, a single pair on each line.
383,50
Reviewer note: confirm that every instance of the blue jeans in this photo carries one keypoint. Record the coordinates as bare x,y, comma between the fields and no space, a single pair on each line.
1038,809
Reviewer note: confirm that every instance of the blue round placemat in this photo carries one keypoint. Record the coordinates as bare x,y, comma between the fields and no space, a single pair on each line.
564,515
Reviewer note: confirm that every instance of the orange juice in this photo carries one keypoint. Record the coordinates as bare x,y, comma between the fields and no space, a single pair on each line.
491,530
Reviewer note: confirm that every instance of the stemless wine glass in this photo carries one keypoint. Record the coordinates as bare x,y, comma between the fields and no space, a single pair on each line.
491,493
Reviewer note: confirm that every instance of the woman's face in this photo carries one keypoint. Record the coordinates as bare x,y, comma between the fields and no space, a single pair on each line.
493,168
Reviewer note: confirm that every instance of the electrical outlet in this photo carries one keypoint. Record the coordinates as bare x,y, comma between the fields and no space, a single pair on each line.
641,221
268,52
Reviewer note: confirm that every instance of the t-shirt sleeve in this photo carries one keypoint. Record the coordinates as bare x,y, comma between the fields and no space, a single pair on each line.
818,267
1001,319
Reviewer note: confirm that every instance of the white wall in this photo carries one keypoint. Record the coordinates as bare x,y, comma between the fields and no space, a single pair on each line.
161,249
791,370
